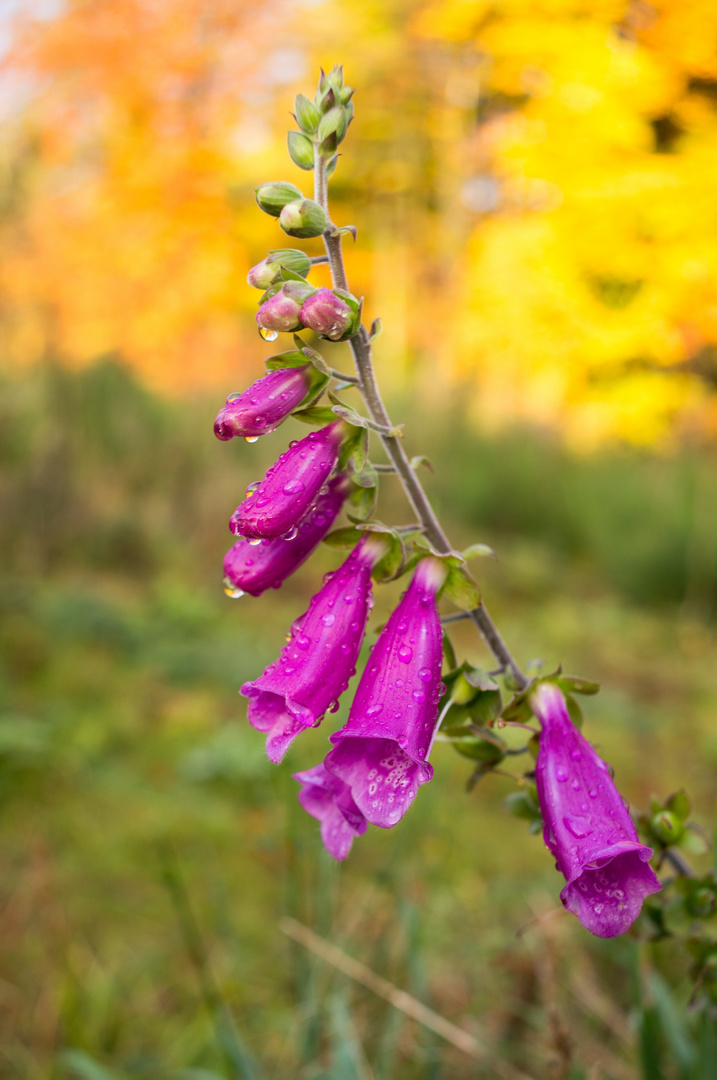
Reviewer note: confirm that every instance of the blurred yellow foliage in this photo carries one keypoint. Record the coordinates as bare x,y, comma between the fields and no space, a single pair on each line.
533,184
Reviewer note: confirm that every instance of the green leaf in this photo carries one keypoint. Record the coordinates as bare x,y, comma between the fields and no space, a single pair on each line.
363,500
291,359
524,804
693,841
331,165
352,448
421,459
301,150
376,329
343,538
470,746
308,115
461,589
574,684
449,652
574,711
477,551
335,121
315,414
679,804
365,477
479,678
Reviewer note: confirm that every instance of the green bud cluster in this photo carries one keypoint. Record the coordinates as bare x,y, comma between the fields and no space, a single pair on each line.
323,122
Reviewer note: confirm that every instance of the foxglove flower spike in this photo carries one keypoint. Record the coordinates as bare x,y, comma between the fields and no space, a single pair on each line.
281,501
267,402
314,668
587,826
252,568
381,753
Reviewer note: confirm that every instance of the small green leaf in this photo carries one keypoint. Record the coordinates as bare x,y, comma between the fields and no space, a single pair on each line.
346,230
693,841
449,651
301,150
346,412
376,329
479,678
331,165
574,711
307,115
351,448
477,551
363,501
421,459
524,804
315,414
574,684
343,538
335,121
291,359
461,589
679,804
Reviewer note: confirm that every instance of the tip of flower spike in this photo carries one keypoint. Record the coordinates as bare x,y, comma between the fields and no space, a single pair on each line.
373,547
431,574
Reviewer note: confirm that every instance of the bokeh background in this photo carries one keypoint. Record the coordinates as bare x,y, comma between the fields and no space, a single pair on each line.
533,185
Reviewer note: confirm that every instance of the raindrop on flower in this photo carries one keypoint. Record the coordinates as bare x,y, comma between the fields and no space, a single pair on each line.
405,653
374,710
329,619
267,335
561,774
302,641
255,541
251,438
231,590
290,534
424,674
293,487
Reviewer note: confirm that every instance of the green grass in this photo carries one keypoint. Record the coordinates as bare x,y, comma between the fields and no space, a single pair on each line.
149,850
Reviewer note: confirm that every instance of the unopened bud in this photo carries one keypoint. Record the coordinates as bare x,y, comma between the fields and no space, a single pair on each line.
666,827
281,311
462,693
272,198
268,271
303,218
328,315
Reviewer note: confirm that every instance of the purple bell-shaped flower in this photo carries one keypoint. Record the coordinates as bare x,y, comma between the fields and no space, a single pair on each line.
267,402
327,314
281,501
280,313
252,568
315,666
587,826
328,799
381,753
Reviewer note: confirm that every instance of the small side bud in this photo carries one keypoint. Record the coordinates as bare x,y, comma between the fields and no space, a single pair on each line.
301,150
303,218
281,311
272,198
666,827
307,115
328,315
268,271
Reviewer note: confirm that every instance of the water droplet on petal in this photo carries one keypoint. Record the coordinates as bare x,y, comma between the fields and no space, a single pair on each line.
405,653
267,335
255,541
561,774
592,793
293,487
418,695
334,706
576,755
579,829
575,785
290,534
259,421
231,590
424,674
374,710
329,619
251,438
302,641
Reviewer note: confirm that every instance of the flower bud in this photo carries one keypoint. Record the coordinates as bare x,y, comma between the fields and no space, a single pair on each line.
328,315
272,198
268,271
267,402
281,311
303,218
667,827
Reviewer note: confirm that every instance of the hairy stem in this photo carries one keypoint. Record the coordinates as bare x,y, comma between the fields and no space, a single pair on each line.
361,348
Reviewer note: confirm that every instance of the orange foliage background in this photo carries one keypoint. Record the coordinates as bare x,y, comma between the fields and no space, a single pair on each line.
533,182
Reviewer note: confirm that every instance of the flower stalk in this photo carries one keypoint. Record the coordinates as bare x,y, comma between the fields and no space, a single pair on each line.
368,387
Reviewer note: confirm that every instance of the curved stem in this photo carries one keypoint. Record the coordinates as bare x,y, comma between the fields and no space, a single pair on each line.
361,348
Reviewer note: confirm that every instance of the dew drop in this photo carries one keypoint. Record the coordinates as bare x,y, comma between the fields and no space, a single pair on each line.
231,590
345,648
302,641
592,793
424,674
255,541
251,438
398,683
259,421
418,695
267,335
374,710
290,534
405,653
334,706
329,619
575,785
579,829
293,487
561,774
289,669
576,755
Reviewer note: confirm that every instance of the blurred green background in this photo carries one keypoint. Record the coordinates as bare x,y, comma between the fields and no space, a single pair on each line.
132,785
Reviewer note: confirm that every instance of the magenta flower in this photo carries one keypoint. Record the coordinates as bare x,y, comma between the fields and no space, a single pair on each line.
252,568
281,311
281,501
328,799
314,668
261,408
327,314
381,753
587,826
